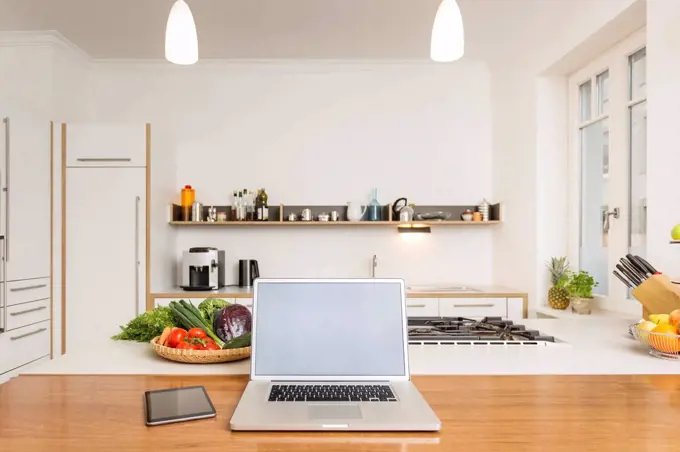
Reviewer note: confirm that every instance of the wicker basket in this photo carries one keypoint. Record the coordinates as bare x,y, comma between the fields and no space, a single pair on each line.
661,345
200,356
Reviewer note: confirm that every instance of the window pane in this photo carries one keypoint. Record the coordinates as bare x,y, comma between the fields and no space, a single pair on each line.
603,93
638,74
638,180
585,96
593,250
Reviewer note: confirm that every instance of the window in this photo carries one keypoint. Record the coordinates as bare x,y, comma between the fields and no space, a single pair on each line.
608,112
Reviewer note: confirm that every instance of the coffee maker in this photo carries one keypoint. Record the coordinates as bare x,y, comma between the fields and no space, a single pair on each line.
202,269
248,270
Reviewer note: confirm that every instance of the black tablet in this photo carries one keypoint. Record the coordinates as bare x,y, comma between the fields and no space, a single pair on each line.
177,405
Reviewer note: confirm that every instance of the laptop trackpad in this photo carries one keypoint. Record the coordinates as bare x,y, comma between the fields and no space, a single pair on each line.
334,412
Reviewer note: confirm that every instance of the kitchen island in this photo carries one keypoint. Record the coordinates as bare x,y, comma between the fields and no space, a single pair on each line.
504,413
589,346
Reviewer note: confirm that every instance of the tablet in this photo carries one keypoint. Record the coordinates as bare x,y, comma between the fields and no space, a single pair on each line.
177,405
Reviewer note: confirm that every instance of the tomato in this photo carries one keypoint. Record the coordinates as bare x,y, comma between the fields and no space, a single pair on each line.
197,333
176,337
208,340
212,346
186,346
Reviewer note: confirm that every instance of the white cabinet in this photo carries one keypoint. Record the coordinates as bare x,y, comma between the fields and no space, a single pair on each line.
422,307
473,307
27,290
105,251
25,206
23,345
516,309
112,145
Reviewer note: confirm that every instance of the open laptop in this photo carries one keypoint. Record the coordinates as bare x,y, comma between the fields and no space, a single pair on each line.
331,354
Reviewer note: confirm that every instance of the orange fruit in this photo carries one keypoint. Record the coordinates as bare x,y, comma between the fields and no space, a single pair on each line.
666,340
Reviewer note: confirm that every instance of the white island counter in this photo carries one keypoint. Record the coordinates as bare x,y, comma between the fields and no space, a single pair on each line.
586,346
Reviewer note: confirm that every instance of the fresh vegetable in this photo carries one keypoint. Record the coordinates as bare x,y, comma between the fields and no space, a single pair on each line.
197,333
231,322
188,316
210,306
146,326
176,337
165,335
212,346
186,346
238,342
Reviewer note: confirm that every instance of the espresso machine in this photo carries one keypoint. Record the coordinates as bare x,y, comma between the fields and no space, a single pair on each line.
202,269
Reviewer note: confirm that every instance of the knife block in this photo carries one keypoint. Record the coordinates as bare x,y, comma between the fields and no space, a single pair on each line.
658,295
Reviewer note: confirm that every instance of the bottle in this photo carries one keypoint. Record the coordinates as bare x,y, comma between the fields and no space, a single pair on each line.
187,198
265,207
258,205
250,208
374,208
234,208
239,207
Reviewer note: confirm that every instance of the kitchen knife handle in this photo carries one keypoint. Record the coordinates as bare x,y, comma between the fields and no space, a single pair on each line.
636,264
633,269
630,275
646,264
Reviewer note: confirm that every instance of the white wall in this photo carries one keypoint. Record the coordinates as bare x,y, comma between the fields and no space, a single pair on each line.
663,133
318,133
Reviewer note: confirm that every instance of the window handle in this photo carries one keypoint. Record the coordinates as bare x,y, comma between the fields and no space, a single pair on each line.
606,223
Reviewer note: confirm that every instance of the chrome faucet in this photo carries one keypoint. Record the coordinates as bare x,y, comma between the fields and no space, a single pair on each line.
374,265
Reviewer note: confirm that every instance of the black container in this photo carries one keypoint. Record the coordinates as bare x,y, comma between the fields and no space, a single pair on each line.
248,270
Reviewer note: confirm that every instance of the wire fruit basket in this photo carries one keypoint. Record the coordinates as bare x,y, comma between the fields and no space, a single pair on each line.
660,345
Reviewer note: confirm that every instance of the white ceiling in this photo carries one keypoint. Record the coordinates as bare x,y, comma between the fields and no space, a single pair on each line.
261,29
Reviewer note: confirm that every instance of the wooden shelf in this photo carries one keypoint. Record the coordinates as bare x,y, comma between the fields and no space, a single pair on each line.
329,223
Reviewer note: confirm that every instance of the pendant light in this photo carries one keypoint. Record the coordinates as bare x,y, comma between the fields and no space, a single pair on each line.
448,37
181,42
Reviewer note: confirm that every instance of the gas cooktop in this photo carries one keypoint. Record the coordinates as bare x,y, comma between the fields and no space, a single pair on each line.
463,331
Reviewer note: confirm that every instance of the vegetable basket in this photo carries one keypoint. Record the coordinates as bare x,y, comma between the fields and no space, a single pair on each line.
660,345
200,356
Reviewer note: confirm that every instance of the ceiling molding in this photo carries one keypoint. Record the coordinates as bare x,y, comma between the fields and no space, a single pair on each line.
47,38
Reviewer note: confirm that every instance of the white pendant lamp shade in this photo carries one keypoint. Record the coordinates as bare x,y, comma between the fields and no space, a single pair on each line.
448,37
181,41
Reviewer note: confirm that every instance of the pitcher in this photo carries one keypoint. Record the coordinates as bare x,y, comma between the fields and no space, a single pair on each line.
354,211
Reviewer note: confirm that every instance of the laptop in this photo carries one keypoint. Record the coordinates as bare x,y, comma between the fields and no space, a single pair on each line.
329,355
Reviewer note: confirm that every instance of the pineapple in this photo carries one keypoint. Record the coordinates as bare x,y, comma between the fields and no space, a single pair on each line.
558,296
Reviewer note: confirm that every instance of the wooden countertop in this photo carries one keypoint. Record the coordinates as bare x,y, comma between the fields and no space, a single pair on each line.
520,413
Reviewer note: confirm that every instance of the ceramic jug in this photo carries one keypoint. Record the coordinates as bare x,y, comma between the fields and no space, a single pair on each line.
354,212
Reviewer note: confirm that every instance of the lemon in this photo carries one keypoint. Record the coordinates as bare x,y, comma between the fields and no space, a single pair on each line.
660,319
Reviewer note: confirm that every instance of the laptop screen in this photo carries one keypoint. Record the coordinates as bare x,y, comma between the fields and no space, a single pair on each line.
329,328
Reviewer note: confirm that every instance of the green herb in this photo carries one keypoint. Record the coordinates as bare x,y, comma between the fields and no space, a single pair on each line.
581,284
210,306
146,326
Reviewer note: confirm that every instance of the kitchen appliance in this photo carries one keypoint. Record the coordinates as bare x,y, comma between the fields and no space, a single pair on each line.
397,206
248,270
463,331
202,269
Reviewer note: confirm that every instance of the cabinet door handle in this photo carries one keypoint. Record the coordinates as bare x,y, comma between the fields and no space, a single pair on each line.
137,200
415,305
487,305
6,189
27,311
21,336
104,159
21,289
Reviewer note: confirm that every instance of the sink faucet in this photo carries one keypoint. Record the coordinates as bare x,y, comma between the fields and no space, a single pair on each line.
374,265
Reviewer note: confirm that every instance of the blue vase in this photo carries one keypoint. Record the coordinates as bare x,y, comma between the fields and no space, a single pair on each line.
374,208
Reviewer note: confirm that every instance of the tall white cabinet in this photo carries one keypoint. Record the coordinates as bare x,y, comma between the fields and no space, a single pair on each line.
105,224
25,202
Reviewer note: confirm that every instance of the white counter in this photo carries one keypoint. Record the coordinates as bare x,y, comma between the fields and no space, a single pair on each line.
590,346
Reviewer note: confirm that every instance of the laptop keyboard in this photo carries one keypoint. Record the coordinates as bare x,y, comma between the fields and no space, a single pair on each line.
331,393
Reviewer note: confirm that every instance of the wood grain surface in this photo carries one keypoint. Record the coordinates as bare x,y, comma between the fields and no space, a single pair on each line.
500,413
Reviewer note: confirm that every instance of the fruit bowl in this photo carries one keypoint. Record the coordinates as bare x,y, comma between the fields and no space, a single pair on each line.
200,356
660,345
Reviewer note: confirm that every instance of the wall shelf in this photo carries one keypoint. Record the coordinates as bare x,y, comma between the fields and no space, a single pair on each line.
278,215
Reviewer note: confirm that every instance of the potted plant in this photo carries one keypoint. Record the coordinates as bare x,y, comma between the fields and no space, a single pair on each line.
558,295
580,287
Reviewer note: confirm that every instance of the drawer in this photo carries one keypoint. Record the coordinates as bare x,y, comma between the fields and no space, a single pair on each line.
102,145
473,307
422,307
19,315
23,345
27,290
